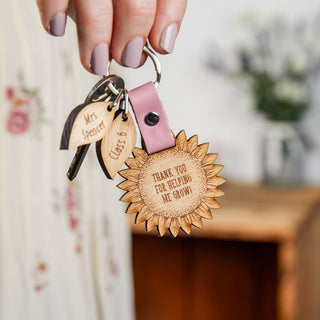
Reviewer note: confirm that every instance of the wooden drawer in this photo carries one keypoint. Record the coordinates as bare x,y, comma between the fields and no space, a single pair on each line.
259,258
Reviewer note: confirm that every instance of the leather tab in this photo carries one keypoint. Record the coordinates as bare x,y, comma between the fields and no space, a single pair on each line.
145,100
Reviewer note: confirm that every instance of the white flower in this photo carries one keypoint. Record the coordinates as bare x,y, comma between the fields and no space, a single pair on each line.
299,65
292,91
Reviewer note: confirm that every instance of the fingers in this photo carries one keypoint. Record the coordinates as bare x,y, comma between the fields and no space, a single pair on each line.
119,30
71,12
167,24
133,20
53,15
137,20
94,21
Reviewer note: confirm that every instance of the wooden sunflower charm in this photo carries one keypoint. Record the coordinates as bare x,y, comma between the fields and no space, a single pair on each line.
173,188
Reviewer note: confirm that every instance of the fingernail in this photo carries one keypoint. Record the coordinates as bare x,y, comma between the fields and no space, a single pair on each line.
132,53
168,37
100,59
58,24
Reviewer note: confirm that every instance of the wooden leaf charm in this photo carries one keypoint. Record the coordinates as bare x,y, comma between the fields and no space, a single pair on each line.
172,189
87,124
117,145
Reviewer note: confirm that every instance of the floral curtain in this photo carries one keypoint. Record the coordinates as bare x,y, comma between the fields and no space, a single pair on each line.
64,247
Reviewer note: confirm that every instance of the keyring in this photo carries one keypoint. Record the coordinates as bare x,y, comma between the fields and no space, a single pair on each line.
171,182
156,63
99,90
152,55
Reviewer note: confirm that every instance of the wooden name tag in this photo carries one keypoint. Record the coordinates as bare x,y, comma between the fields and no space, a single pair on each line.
117,145
87,124
173,188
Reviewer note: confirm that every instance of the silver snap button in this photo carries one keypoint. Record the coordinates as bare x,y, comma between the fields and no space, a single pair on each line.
151,119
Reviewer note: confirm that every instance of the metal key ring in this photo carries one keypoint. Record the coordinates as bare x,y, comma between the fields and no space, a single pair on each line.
98,92
113,82
154,58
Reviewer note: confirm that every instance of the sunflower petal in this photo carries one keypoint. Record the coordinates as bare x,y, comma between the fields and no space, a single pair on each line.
192,143
134,207
174,228
209,159
162,226
131,196
139,160
127,185
185,224
204,213
130,174
140,218
200,151
213,191
151,223
143,215
213,170
210,202
139,153
196,221
181,141
134,163
216,181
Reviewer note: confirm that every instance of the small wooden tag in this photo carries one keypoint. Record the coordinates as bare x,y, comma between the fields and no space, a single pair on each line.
173,188
87,124
117,145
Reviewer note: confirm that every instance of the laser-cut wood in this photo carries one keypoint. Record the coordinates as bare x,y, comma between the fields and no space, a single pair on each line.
174,188
117,145
87,123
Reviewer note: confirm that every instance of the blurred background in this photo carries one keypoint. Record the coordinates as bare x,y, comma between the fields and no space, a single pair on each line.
206,90
244,76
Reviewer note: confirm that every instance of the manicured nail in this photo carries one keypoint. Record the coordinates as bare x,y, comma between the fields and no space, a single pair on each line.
168,37
58,24
132,53
100,59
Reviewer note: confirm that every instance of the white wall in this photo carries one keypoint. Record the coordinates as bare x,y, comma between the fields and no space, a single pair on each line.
202,103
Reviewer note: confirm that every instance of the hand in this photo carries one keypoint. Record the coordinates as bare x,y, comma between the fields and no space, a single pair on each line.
115,29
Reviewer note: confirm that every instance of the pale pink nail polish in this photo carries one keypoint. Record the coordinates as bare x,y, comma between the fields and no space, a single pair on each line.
58,24
100,59
168,37
132,53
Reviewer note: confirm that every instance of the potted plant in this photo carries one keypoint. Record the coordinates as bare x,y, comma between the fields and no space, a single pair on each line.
279,62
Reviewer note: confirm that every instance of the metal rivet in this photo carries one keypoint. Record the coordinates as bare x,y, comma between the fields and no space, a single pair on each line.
151,119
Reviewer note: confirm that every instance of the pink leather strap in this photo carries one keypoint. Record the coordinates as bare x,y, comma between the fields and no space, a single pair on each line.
144,100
